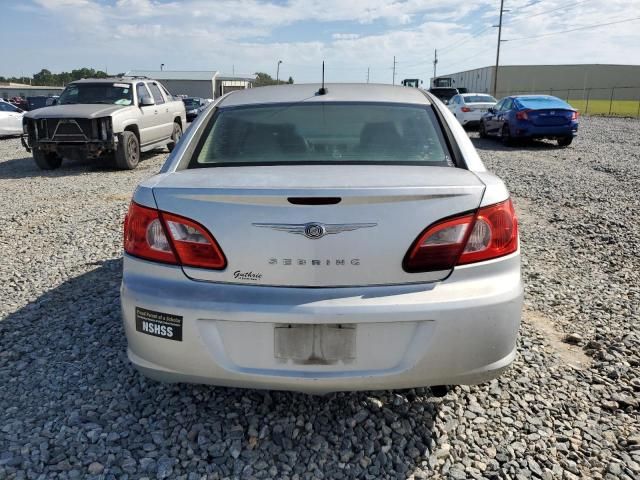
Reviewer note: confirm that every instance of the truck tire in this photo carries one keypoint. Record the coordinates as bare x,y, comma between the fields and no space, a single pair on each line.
175,136
127,154
47,160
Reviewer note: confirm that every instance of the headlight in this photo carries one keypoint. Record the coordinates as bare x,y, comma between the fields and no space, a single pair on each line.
104,128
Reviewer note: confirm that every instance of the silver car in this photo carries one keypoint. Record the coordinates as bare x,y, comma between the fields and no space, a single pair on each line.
322,239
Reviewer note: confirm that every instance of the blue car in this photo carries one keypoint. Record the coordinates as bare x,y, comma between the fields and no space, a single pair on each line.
531,116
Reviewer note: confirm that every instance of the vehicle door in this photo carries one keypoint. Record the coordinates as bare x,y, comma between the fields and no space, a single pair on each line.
10,119
490,121
149,124
453,104
502,116
165,115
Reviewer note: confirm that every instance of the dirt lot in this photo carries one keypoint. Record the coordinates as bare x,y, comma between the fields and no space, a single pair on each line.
72,406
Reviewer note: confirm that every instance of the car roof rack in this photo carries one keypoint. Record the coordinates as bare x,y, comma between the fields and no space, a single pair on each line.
133,76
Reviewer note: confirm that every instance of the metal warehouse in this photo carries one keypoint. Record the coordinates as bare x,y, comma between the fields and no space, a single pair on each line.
597,81
204,84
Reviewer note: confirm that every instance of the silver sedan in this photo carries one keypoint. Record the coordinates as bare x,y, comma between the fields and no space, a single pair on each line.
322,239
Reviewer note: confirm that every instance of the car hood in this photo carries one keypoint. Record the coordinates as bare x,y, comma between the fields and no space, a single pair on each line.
75,111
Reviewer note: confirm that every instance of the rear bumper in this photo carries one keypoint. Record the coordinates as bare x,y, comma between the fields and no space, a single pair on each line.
534,131
460,331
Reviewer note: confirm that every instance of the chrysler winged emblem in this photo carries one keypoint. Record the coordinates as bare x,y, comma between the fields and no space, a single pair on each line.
314,230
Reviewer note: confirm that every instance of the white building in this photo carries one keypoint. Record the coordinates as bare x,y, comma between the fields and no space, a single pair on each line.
204,84
10,90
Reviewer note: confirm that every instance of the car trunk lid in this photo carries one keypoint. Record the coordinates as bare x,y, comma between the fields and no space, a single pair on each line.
550,116
315,226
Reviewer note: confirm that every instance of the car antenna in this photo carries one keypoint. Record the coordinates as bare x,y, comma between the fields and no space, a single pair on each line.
322,91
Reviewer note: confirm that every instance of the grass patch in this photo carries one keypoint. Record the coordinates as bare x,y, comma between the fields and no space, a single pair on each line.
626,108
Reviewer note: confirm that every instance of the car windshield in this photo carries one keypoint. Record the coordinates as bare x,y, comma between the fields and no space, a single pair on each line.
315,132
109,93
191,102
479,99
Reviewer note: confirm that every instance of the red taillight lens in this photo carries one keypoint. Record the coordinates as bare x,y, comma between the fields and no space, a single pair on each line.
168,238
466,109
466,239
494,234
523,115
439,246
145,236
194,245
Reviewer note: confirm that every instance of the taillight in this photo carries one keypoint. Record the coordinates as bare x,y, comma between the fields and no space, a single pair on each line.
469,238
495,234
169,238
193,244
145,236
439,246
574,115
466,109
523,115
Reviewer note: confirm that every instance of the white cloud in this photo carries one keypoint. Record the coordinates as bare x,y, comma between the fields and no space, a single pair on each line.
345,36
201,34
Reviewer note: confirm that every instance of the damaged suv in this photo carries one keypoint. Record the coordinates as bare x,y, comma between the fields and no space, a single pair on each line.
116,118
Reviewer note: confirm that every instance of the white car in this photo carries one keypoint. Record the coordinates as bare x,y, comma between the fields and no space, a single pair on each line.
10,119
468,108
311,238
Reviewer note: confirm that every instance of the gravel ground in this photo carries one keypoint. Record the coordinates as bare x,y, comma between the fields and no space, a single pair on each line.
73,407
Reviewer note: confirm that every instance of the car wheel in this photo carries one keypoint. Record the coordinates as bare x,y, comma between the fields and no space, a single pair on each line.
564,141
175,136
482,131
47,160
506,135
127,154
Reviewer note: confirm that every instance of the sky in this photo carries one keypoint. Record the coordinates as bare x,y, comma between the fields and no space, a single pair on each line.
351,36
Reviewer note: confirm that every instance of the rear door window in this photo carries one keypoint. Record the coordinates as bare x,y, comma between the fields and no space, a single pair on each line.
328,133
157,94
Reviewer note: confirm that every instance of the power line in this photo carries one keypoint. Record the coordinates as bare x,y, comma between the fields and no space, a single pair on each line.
566,6
585,27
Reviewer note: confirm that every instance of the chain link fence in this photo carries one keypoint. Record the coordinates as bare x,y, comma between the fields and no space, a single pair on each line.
619,101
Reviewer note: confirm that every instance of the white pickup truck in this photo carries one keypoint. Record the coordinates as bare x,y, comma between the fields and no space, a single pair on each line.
115,118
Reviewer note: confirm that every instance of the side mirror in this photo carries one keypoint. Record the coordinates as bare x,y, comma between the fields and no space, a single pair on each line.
491,110
146,101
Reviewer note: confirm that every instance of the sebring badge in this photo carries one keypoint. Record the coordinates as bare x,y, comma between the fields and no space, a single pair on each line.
315,230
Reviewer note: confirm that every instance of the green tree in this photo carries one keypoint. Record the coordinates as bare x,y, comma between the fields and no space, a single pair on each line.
264,79
290,81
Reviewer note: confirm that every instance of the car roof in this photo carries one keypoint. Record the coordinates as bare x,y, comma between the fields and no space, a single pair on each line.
336,92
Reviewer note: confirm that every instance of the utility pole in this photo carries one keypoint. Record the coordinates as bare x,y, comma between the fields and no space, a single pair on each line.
435,64
368,74
394,70
495,73
278,72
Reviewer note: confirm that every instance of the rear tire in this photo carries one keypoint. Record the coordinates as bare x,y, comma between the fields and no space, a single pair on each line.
175,136
564,141
506,135
47,160
482,131
127,154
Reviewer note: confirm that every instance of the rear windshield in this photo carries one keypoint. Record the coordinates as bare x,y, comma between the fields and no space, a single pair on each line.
542,102
479,99
323,133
